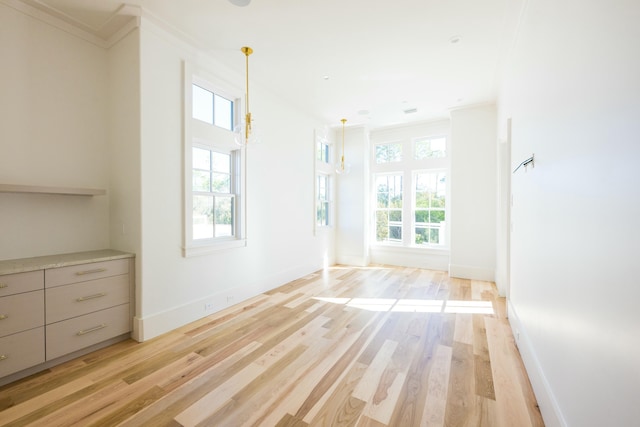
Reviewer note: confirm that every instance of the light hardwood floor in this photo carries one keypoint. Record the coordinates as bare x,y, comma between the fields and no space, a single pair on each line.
375,346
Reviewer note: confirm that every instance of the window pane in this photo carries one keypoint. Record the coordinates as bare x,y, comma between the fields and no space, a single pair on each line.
395,191
201,159
322,152
395,215
224,216
422,200
221,183
421,236
434,236
395,233
381,154
382,184
395,152
436,216
382,226
221,162
323,182
202,217
322,214
422,216
201,181
223,109
387,153
431,148
202,104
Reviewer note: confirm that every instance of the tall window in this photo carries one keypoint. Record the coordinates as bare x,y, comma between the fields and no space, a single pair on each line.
410,191
323,215
429,207
389,208
214,187
214,194
322,202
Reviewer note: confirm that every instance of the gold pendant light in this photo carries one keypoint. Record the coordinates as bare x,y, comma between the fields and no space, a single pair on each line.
246,133
342,167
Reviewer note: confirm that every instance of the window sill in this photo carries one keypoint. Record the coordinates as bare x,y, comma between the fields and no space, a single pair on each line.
400,247
209,248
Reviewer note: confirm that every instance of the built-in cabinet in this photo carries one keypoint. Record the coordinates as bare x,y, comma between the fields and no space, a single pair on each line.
53,308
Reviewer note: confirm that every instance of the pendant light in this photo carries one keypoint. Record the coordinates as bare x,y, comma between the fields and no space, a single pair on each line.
246,133
341,166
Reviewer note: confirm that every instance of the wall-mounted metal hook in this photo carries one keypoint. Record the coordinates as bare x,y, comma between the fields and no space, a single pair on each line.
525,163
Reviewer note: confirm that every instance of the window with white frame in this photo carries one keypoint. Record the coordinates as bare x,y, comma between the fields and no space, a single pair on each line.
388,211
322,201
409,188
323,181
430,147
214,193
214,185
388,153
429,203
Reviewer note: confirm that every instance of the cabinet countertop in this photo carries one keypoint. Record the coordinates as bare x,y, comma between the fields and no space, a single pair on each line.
24,265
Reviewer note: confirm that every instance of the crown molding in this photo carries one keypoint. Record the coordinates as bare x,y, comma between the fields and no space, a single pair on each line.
115,27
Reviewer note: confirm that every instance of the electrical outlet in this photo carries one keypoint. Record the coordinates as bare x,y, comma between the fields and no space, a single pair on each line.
230,298
208,306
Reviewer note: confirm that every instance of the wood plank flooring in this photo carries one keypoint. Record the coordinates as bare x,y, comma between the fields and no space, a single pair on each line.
345,346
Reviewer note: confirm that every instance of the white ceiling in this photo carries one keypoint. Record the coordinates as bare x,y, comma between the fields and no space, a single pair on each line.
365,60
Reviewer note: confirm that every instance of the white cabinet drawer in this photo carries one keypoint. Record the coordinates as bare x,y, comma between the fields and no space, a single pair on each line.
11,284
80,332
21,351
82,273
65,302
21,312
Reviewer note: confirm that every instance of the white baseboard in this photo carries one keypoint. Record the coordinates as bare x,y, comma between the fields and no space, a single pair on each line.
355,260
410,257
549,407
145,328
470,272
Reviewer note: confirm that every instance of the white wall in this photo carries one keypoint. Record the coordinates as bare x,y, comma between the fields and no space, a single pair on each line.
473,193
124,148
280,191
53,132
573,94
352,198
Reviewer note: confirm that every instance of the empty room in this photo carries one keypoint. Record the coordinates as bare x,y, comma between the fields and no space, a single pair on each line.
319,213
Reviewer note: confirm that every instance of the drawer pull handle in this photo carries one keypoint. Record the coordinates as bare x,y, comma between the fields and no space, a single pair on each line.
95,328
3,285
95,270
4,316
88,297
3,356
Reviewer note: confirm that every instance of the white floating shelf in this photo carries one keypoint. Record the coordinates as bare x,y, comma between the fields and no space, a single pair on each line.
38,189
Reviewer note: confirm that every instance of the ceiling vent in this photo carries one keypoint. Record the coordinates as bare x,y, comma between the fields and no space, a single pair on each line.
410,110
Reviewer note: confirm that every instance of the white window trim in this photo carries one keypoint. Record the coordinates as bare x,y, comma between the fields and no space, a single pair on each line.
412,244
223,138
324,169
407,167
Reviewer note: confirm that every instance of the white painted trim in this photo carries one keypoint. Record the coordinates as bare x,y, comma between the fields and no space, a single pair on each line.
547,402
471,272
59,20
432,259
355,260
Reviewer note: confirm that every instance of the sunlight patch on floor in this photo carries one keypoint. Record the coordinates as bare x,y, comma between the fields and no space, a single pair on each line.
413,305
